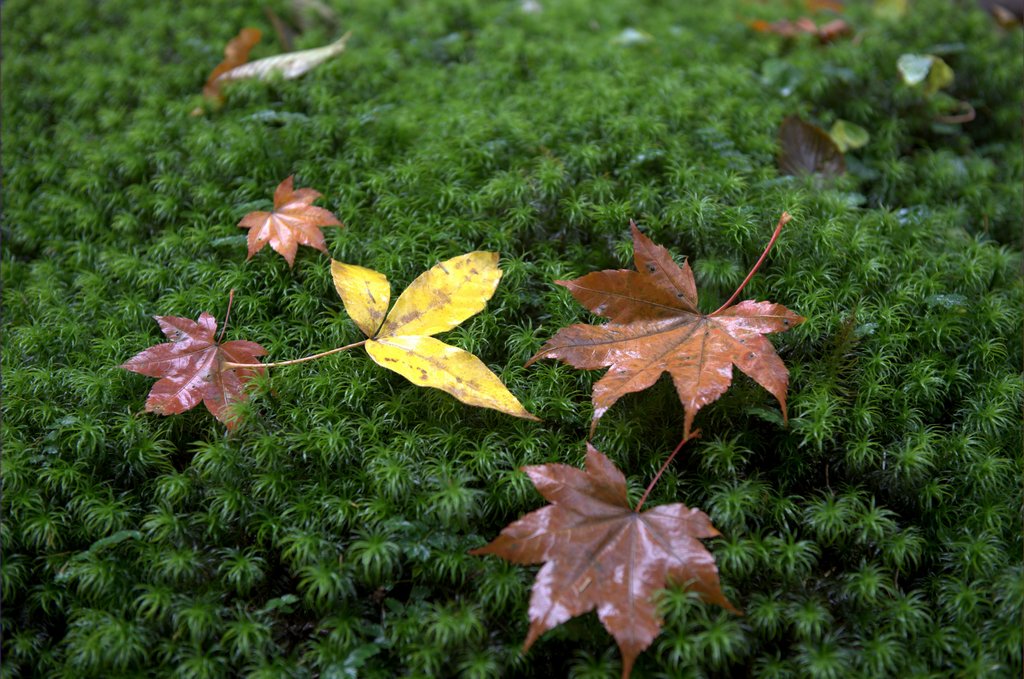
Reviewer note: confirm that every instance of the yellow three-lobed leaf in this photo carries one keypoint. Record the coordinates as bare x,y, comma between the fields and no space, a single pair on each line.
437,301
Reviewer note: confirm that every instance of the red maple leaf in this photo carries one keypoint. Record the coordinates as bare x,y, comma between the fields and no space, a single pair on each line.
294,221
601,554
190,368
657,328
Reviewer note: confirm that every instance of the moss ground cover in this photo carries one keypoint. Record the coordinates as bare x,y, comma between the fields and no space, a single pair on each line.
879,535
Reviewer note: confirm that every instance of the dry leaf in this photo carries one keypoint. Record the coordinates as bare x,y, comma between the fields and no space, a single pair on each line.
808,149
601,554
294,221
288,66
1007,13
437,301
236,53
285,33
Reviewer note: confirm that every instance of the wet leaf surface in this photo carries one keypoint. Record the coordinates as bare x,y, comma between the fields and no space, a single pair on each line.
294,221
599,554
190,368
437,301
656,328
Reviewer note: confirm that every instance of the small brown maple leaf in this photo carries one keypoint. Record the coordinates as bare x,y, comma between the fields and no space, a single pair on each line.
656,328
190,368
601,554
294,221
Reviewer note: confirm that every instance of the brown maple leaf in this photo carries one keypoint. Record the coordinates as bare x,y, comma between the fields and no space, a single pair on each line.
236,53
656,328
295,220
603,555
190,368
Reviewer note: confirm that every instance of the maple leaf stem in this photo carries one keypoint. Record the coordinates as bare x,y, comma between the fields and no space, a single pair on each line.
227,315
778,229
228,364
688,437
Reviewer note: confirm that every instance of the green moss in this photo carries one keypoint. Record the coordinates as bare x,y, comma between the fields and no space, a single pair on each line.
877,535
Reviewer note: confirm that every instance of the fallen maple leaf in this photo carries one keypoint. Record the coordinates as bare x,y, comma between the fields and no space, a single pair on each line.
236,64
825,33
191,368
437,301
294,220
656,328
603,555
236,53
805,148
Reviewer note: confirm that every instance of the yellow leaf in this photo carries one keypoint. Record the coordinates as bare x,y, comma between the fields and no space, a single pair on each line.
444,296
940,76
429,362
365,293
438,300
890,10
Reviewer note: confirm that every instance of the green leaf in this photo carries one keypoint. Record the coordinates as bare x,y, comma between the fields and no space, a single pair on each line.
914,68
349,667
848,136
283,602
928,69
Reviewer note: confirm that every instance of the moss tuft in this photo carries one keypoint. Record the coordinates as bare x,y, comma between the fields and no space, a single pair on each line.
879,535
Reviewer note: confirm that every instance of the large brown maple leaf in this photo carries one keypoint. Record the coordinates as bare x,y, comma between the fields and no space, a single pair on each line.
294,221
656,328
190,368
603,555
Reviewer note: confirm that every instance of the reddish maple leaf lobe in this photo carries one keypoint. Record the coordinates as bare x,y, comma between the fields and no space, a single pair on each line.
294,221
656,328
600,554
190,368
